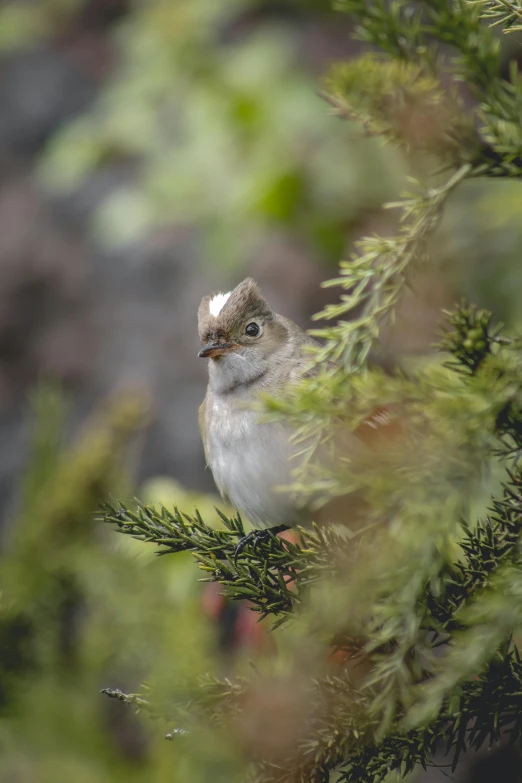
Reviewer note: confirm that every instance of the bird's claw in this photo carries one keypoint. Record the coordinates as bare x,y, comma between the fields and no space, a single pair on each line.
255,537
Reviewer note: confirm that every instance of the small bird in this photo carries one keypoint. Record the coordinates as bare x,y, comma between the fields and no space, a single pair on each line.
251,349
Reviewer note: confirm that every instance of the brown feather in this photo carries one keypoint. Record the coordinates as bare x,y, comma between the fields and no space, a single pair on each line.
245,301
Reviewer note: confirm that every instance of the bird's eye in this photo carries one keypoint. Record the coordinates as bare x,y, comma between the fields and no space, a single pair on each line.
252,329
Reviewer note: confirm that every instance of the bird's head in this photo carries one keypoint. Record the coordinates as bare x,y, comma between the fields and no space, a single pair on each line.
240,333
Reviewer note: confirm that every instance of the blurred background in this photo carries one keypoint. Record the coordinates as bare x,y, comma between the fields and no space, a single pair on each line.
150,153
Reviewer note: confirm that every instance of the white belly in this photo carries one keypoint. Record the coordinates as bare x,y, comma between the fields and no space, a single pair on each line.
249,461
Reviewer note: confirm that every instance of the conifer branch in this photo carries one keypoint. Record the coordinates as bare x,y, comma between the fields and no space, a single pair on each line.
485,547
213,700
438,601
488,548
501,13
487,710
273,576
376,275
339,731
406,104
412,33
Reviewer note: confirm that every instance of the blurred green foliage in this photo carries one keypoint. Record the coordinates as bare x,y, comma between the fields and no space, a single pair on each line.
425,598
23,24
81,610
481,246
224,132
227,135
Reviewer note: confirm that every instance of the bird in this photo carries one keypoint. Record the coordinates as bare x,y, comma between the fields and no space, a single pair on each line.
251,350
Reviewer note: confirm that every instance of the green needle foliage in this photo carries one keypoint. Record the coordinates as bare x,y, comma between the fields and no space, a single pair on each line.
503,13
413,34
442,666
397,638
273,577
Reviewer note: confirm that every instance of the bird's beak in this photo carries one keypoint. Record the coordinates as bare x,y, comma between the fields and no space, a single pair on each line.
212,350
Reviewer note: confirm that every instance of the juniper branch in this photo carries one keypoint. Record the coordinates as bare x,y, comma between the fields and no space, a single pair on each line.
439,603
486,710
490,617
212,699
501,13
376,275
486,547
471,340
338,732
134,699
411,32
342,730
274,577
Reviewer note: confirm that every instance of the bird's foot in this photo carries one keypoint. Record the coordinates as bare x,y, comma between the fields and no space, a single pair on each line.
255,537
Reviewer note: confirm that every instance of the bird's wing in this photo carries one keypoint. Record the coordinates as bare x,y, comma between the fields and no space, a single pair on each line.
302,367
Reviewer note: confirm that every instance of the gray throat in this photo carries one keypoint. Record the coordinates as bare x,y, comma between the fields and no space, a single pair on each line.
234,370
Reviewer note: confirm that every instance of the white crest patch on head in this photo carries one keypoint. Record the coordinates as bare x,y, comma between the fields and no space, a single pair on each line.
217,303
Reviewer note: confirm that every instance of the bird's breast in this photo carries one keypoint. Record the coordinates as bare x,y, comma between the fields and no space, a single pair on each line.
250,460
